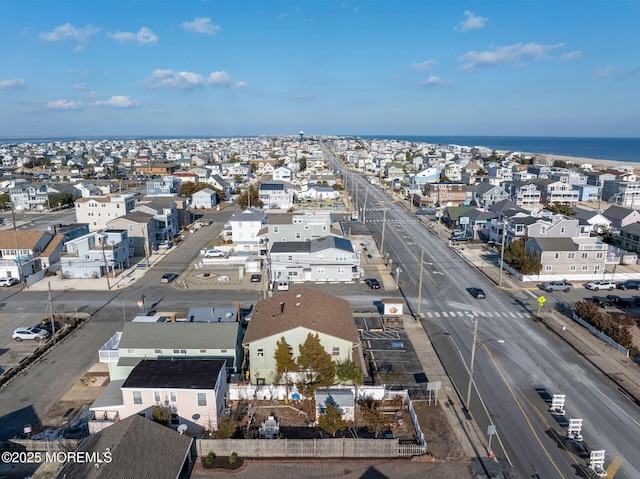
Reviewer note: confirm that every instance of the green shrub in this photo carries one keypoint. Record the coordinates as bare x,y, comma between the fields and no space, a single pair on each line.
233,458
208,460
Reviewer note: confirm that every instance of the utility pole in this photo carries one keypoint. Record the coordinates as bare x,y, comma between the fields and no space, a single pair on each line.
420,283
504,235
473,357
15,237
364,206
104,258
53,326
384,223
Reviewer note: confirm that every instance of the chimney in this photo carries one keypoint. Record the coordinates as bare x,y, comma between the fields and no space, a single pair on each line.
281,307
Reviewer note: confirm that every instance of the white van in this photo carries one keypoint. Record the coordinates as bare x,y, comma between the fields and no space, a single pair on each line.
282,284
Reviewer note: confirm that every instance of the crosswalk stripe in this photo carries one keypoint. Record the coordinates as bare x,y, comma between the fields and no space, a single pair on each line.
513,315
453,313
460,313
430,315
437,314
489,314
444,313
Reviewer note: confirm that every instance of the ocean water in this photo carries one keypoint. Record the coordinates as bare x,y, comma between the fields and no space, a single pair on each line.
620,149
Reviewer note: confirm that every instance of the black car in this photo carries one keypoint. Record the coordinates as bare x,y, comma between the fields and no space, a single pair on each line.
602,302
46,325
459,238
477,293
630,284
256,278
619,302
372,283
168,277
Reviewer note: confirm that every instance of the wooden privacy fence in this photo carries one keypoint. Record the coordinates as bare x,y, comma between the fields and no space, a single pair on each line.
342,447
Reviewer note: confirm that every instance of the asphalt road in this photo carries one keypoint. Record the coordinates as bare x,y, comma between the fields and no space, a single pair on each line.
513,379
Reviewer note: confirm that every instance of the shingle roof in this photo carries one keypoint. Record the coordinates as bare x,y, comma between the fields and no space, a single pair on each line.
633,228
314,245
139,448
617,212
302,307
178,374
179,335
26,239
555,244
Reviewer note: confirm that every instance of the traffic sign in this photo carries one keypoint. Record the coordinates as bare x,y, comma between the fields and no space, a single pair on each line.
542,300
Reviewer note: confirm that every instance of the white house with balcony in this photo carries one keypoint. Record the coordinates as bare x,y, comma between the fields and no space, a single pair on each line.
20,252
95,255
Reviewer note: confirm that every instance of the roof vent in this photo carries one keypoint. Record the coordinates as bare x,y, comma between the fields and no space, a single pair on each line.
298,304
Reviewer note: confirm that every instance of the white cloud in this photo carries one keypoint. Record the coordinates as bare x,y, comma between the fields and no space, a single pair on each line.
189,80
471,22
118,102
174,79
422,66
80,86
64,105
14,83
144,36
604,72
570,55
201,25
219,78
433,80
516,53
69,32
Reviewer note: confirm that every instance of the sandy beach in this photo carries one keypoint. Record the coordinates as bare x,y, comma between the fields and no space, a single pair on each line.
596,164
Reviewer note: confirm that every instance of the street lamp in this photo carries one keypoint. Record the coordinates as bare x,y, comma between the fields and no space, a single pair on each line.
473,357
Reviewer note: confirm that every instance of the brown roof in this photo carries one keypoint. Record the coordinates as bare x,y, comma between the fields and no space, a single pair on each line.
302,307
99,199
51,247
27,239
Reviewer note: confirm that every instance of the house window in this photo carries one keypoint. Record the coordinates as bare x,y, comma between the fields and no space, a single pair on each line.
222,351
202,399
585,267
298,235
276,229
156,396
260,352
340,270
336,351
562,230
599,255
320,271
158,351
137,397
548,267
203,351
571,256
290,258
556,255
572,267
173,396
179,351
584,255
596,268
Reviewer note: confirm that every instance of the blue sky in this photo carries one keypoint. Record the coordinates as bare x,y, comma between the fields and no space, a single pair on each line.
217,68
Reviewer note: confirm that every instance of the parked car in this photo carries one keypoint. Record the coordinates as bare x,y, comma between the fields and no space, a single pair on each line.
630,284
214,253
46,325
602,302
256,278
477,293
620,302
557,286
168,277
597,285
426,211
8,281
21,334
459,238
372,283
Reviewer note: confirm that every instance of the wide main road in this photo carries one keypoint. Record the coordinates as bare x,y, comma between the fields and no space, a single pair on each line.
518,366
